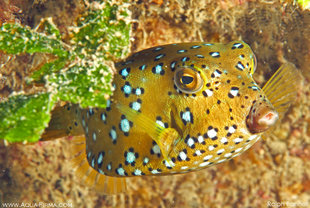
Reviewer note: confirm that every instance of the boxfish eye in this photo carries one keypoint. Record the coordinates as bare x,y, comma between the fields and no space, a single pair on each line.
188,80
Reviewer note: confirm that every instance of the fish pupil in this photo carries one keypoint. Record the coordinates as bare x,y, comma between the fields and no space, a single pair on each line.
187,80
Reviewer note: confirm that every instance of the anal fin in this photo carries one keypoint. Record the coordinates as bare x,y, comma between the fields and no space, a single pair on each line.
89,176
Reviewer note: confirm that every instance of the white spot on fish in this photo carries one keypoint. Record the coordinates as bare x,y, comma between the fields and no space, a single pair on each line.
155,171
207,157
182,155
120,171
138,172
211,147
224,140
94,136
227,155
220,151
204,164
238,140
211,133
198,152
130,157
156,149
239,149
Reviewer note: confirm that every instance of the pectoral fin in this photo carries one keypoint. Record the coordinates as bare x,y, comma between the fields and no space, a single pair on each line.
164,137
281,89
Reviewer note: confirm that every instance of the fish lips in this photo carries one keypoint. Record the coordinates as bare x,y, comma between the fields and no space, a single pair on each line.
261,117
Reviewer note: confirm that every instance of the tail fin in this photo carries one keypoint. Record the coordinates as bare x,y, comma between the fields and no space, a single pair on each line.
65,122
92,178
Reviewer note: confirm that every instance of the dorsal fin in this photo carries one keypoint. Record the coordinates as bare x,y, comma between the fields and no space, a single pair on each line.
64,122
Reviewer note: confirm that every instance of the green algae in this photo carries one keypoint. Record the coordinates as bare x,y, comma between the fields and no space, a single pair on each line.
305,4
24,118
16,39
81,72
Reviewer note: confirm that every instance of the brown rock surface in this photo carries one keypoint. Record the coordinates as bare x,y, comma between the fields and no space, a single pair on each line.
276,169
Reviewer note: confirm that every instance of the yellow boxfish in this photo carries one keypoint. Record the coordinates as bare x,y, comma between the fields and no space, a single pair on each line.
176,108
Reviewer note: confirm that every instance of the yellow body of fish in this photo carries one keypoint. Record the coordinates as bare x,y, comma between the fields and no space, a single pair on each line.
178,108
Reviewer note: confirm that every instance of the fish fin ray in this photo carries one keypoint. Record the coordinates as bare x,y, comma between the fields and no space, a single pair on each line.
88,175
164,137
109,184
62,118
281,89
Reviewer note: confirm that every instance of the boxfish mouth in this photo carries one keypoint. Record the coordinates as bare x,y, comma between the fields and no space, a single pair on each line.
261,117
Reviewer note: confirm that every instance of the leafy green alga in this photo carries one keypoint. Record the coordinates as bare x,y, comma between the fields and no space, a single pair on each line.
80,73
24,118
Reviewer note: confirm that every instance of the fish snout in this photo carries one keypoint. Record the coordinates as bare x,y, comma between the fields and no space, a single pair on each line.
261,117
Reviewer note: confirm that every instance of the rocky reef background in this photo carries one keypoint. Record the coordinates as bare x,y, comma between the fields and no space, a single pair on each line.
276,169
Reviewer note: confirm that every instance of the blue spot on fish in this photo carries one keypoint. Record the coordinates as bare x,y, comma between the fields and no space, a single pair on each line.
215,54
172,65
108,108
103,117
91,112
185,59
146,160
158,69
139,91
142,67
93,162
136,105
109,166
120,171
237,45
182,51
100,159
158,49
113,135
137,172
126,89
159,57
130,157
195,46
124,72
88,155
125,125
240,66
199,56
94,136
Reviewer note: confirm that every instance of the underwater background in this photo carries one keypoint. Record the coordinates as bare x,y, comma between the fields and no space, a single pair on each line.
276,169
